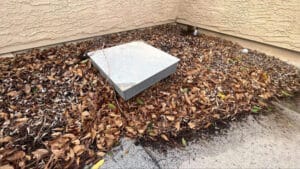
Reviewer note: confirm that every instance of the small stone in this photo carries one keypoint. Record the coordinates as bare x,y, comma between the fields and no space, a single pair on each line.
196,32
245,51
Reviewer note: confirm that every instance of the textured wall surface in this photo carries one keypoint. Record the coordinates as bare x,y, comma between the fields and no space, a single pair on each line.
274,22
31,23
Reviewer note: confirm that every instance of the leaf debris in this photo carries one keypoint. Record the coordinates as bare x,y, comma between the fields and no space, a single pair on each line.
57,110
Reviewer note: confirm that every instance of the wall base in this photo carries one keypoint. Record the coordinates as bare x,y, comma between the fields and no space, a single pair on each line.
289,56
7,55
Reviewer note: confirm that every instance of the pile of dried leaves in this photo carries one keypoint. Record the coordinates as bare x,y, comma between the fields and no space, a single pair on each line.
56,111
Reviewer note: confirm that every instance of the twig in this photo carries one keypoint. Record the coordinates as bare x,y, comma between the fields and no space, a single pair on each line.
116,99
39,133
49,162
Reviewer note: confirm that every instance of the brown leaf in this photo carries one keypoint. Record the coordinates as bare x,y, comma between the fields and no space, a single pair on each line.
113,114
109,143
85,115
51,56
16,156
79,72
216,116
153,133
207,125
170,118
5,139
51,78
100,147
59,146
153,116
22,120
93,134
101,154
76,142
164,137
77,160
12,93
266,95
177,125
56,134
70,155
39,153
187,99
192,125
150,107
141,130
40,87
193,108
58,129
87,136
7,166
262,103
69,135
192,72
27,88
3,115
130,130
79,149
119,122
58,151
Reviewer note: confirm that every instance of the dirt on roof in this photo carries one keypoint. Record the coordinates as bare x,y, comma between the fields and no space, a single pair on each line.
56,111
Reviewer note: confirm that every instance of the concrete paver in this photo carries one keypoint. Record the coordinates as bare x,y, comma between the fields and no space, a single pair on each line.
262,141
128,155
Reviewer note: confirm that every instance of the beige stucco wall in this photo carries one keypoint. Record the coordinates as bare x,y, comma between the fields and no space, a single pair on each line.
32,23
273,22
